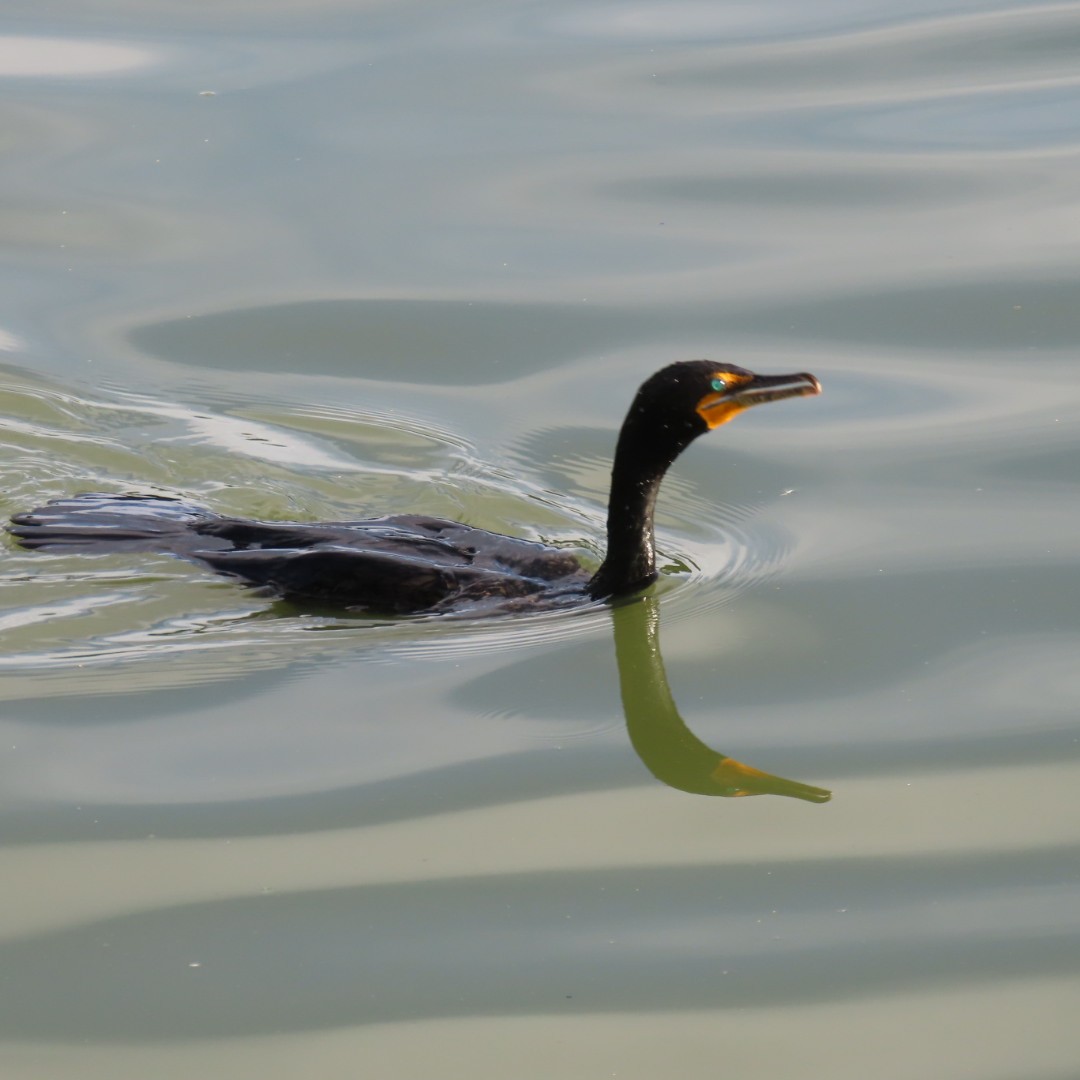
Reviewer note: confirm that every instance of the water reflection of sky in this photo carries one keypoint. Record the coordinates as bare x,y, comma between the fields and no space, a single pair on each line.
35,57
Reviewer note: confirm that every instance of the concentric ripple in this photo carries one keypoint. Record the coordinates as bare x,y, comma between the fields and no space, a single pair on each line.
83,613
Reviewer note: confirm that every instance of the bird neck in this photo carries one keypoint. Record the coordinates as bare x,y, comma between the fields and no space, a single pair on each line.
667,747
630,562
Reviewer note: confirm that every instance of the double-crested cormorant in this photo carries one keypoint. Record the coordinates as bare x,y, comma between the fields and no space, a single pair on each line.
408,564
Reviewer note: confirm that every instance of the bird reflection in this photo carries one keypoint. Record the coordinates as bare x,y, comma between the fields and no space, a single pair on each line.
670,751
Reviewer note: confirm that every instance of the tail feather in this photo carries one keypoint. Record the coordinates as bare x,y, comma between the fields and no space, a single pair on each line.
104,523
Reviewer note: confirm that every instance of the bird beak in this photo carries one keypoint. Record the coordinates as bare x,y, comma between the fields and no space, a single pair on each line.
720,406
763,388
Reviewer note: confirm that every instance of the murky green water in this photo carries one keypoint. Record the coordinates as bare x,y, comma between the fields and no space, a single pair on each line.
342,258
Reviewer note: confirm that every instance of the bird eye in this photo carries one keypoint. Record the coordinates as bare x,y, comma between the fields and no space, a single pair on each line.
719,384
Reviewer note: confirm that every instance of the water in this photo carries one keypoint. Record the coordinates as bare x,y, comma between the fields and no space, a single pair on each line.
321,260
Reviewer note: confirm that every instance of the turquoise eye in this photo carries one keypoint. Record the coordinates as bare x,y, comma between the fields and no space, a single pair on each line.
718,384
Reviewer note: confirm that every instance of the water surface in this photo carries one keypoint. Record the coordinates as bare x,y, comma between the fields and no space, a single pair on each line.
343,258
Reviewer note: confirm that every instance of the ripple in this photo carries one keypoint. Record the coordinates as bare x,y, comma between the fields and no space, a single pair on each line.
307,459
970,53
305,462
302,461
404,340
695,22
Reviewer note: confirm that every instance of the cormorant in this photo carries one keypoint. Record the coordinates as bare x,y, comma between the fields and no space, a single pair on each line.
407,564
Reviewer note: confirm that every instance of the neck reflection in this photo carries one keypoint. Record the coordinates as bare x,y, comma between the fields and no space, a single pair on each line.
669,750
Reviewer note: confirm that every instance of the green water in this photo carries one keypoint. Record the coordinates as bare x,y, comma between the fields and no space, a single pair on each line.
343,258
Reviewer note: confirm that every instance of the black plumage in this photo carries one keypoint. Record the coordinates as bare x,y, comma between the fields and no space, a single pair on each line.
407,564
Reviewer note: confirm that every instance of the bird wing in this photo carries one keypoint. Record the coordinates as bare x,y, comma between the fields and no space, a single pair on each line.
364,579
